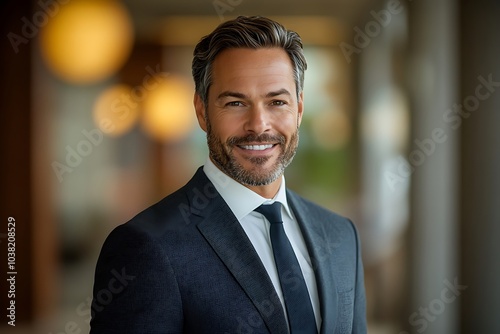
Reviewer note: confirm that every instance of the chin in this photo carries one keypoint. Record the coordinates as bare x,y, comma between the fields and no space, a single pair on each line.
260,176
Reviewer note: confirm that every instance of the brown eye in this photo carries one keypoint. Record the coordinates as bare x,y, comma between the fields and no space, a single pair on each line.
234,104
278,103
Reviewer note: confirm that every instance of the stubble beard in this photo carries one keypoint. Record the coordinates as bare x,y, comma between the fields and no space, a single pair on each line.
223,157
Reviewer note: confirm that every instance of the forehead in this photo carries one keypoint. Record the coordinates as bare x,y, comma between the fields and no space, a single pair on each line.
251,69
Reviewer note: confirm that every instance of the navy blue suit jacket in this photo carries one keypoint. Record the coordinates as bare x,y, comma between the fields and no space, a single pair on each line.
185,265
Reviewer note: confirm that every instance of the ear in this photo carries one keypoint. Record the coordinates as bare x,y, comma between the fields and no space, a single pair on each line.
199,106
300,108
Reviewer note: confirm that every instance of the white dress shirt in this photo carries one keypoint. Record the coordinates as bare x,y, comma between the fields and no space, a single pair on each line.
242,201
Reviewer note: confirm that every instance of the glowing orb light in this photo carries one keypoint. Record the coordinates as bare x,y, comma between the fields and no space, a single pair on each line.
114,112
87,40
168,113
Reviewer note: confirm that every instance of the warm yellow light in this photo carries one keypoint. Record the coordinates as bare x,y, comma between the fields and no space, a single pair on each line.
88,40
332,129
168,112
114,112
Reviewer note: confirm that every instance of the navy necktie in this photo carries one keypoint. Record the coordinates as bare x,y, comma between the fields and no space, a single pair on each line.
297,301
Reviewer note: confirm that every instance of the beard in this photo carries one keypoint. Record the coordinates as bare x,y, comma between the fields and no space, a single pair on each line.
223,157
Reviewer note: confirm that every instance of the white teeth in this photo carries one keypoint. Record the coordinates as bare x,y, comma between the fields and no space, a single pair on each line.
256,147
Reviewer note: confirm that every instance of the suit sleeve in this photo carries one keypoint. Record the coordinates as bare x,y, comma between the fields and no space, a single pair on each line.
359,319
135,289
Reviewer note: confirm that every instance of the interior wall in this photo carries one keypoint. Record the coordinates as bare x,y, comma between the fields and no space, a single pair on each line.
480,124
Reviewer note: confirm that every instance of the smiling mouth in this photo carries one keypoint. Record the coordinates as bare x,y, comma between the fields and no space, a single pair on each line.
256,147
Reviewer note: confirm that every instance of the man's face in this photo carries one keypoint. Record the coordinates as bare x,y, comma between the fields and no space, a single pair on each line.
253,114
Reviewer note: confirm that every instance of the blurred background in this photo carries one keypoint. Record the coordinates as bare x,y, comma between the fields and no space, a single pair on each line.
400,133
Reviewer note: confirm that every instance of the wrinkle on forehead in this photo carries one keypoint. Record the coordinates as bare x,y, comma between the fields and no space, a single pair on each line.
254,72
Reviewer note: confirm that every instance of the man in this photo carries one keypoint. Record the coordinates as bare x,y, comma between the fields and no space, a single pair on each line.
234,251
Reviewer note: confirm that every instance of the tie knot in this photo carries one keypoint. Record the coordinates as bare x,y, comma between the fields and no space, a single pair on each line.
271,211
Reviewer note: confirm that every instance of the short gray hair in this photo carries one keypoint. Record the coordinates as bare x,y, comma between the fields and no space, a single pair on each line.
246,32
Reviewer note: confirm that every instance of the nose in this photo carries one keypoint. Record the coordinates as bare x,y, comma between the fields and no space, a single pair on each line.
257,120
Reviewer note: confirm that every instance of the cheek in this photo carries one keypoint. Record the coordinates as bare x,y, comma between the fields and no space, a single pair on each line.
223,131
227,126
287,125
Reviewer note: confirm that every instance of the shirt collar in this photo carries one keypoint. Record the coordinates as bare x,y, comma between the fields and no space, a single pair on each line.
239,198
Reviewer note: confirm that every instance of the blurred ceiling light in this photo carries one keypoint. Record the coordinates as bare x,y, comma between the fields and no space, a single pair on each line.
168,113
331,129
88,40
114,112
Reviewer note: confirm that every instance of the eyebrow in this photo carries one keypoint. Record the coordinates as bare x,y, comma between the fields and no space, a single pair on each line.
238,95
231,94
282,91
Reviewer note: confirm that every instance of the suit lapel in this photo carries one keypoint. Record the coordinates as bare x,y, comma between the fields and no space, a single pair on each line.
321,247
225,235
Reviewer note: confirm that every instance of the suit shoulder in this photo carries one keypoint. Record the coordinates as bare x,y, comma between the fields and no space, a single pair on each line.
320,213
143,233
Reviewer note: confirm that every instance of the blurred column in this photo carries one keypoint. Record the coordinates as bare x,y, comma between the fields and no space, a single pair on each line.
480,210
384,129
432,162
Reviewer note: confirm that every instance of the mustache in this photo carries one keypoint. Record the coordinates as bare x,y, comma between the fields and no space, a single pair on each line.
252,138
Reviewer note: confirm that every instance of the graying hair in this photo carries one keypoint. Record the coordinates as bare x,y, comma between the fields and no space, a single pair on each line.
246,32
